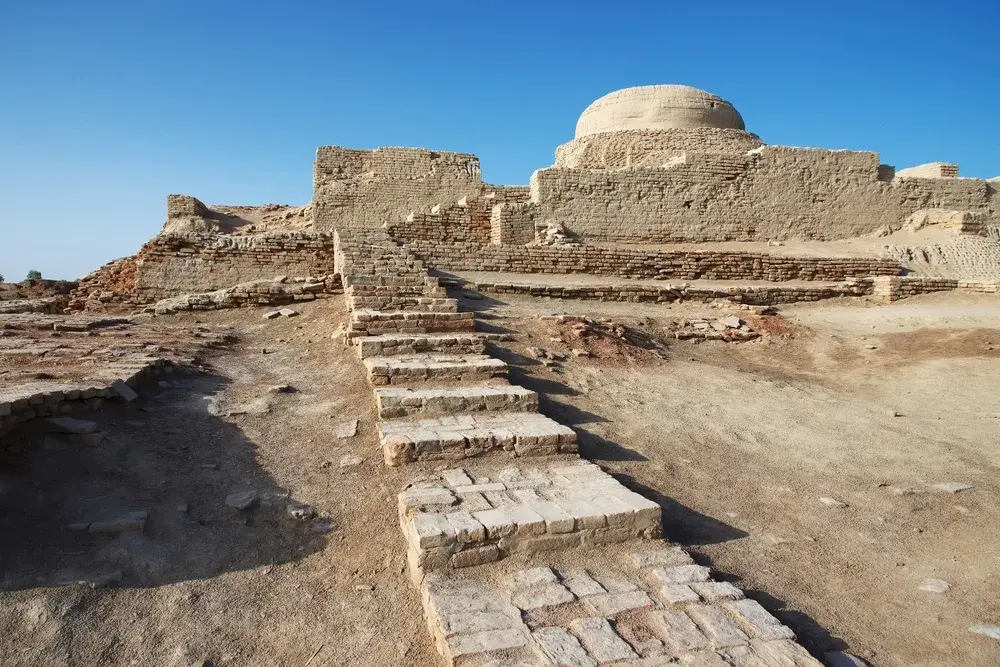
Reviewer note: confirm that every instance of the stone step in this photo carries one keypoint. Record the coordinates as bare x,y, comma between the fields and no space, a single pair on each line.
367,322
456,520
428,304
416,368
405,402
462,436
609,612
395,290
396,344
351,279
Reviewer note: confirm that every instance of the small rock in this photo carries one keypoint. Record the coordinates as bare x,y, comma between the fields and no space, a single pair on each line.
991,631
577,352
842,659
70,425
934,586
347,429
271,314
832,502
288,312
536,353
242,500
364,588
124,392
350,460
895,413
731,322
300,511
283,389
871,347
131,521
183,508
953,487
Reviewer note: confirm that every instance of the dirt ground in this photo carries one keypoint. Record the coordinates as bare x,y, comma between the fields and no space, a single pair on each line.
737,441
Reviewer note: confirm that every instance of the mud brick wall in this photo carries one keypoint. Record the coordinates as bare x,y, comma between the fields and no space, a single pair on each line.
447,223
757,296
630,263
175,264
650,148
895,288
772,192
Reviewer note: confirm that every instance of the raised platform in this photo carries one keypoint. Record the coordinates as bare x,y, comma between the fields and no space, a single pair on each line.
410,368
426,304
395,403
367,322
607,614
396,344
461,521
464,436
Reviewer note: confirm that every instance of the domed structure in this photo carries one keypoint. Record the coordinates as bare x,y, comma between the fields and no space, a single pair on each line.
649,126
666,107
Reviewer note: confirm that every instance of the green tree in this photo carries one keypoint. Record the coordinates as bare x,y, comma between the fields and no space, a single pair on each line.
34,275
1,277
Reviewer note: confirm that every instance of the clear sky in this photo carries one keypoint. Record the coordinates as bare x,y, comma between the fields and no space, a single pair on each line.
108,106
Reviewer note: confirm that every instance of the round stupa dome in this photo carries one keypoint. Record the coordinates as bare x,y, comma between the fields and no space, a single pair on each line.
666,107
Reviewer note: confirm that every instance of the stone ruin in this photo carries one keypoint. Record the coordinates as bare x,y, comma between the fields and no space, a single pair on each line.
659,183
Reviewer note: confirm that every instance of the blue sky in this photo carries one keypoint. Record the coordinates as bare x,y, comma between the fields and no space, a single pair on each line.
107,106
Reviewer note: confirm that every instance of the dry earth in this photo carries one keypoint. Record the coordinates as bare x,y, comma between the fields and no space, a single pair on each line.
737,441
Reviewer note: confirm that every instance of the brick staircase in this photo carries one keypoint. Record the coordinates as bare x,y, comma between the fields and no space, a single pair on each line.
442,399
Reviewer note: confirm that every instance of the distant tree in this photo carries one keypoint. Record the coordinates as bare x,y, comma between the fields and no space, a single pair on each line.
1,277
34,275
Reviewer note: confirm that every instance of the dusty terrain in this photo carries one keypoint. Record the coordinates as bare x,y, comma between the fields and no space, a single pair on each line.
738,441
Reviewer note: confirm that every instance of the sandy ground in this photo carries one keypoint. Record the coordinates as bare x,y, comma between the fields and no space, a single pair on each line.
737,441
740,442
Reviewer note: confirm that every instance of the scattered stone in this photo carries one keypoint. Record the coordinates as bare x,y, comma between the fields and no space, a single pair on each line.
283,389
131,521
991,631
242,500
731,322
364,588
350,460
842,659
124,392
895,413
271,314
953,487
288,312
871,347
300,511
935,586
70,425
577,352
832,502
347,429
536,353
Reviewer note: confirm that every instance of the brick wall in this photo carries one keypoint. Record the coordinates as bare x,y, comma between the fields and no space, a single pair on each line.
632,263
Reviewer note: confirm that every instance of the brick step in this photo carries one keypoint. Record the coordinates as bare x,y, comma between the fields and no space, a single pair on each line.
615,610
462,436
417,368
405,402
429,304
396,344
457,520
367,322
351,279
396,290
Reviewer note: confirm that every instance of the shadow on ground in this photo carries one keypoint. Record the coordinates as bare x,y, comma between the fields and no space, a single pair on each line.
165,454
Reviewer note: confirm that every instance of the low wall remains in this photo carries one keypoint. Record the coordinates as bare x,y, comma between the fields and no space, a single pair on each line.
646,264
175,264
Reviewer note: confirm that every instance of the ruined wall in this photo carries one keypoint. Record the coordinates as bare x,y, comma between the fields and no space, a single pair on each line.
632,263
650,148
772,192
362,188
174,264
930,170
